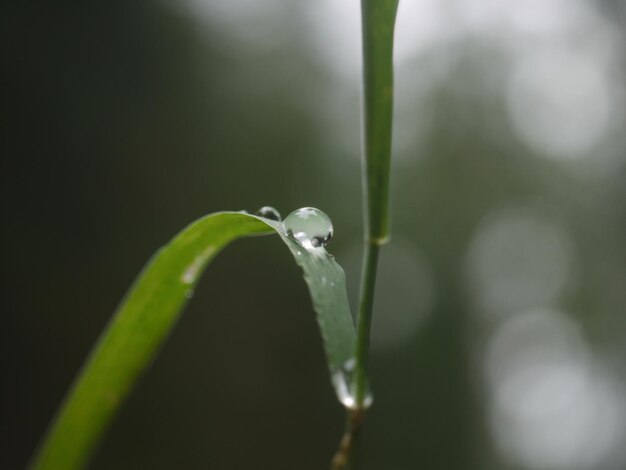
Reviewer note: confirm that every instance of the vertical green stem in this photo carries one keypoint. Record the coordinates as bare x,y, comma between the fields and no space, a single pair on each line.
368,283
347,456
378,20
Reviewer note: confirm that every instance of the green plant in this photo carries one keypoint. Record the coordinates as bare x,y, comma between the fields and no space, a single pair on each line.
154,302
378,20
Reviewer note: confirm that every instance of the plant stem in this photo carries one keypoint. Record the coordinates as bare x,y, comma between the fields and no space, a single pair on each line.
378,20
366,306
347,455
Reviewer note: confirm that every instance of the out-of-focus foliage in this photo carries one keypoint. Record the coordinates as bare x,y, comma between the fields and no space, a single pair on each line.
499,325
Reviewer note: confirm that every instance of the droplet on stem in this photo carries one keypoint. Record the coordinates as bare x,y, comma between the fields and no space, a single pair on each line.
343,380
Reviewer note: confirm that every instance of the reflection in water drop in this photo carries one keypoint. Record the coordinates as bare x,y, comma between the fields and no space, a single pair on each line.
343,381
310,227
268,212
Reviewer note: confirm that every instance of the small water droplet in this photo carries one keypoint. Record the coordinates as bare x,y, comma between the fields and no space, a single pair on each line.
310,227
343,381
189,293
193,270
244,212
268,212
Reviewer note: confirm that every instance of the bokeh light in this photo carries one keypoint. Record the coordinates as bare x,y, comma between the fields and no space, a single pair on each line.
560,103
519,259
552,406
499,326
405,293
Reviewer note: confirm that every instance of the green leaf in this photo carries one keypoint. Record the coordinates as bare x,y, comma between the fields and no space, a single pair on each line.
378,20
148,313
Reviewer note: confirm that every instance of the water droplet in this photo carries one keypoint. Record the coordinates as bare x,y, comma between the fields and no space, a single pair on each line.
189,293
310,227
193,270
244,212
268,212
343,381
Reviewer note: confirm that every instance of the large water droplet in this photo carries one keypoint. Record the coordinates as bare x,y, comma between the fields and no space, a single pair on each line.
310,227
268,212
344,386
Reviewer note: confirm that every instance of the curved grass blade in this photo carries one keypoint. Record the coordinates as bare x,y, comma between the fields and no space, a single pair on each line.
327,285
148,313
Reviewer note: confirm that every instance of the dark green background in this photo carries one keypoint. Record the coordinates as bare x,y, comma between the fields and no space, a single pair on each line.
124,121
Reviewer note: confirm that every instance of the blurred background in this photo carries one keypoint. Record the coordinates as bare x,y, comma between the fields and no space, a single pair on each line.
500,325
